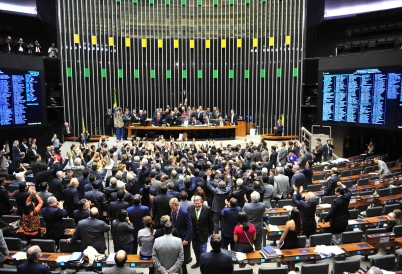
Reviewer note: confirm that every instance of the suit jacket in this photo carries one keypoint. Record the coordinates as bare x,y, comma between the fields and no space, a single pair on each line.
30,155
218,123
302,161
91,233
255,212
298,179
183,224
327,150
119,270
155,121
173,193
15,164
143,119
97,197
307,210
15,152
72,197
339,212
331,184
318,155
219,196
44,196
283,153
281,186
53,217
234,119
3,248
161,207
109,119
21,199
273,158
115,206
171,120
382,169
167,254
204,226
33,268
55,188
216,262
136,213
80,214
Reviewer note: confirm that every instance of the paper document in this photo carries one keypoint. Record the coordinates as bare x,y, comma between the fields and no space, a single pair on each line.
61,259
110,259
20,256
241,256
273,228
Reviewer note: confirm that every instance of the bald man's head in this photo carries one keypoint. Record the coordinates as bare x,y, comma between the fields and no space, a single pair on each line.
120,258
33,253
94,212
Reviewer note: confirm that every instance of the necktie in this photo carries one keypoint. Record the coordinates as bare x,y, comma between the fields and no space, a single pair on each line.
174,217
196,214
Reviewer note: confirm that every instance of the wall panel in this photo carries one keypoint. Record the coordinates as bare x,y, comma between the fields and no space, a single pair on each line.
239,54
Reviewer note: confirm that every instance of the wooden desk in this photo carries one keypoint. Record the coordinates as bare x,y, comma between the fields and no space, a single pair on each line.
377,220
389,199
367,200
208,132
377,183
275,211
354,201
318,194
299,254
361,248
352,223
381,240
256,258
276,233
398,241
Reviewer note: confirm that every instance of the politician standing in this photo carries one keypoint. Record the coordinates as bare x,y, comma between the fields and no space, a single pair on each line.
135,213
255,212
109,122
306,206
233,118
338,215
216,261
182,224
53,216
382,168
203,227
332,182
278,129
72,197
91,232
167,252
328,148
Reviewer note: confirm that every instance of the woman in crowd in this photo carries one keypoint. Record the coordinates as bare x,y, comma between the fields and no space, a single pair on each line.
122,232
289,238
244,234
146,239
396,221
30,216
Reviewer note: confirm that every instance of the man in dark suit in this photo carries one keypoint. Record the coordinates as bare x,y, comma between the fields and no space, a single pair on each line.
82,182
143,118
5,205
83,210
220,194
302,159
21,195
72,197
115,206
298,178
55,187
161,205
230,219
171,119
53,216
136,213
182,224
273,157
233,118
16,163
15,150
339,212
44,193
203,227
216,261
332,182
109,122
157,120
91,232
97,198
255,211
171,190
327,150
220,122
67,132
278,129
33,265
30,154
318,153
195,121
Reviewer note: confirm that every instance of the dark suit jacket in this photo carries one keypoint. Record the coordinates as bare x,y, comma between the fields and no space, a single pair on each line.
91,233
115,206
21,199
183,224
331,184
80,214
109,119
173,193
143,120
53,217
44,196
15,164
97,197
234,119
5,205
161,207
155,121
33,268
325,150
72,197
230,215
55,188
216,262
204,226
339,212
136,213
30,155
15,151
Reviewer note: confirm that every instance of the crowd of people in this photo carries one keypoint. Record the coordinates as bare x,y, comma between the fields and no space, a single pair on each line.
31,48
162,196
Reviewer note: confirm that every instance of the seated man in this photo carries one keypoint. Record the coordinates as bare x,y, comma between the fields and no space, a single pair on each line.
33,265
195,122
215,261
157,120
220,122
120,259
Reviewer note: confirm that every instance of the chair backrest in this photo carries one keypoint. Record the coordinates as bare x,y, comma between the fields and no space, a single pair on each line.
302,239
355,172
13,243
71,247
386,262
321,239
243,271
397,230
390,208
318,177
278,220
10,218
322,215
338,165
314,187
349,266
396,190
331,166
42,222
388,176
348,184
399,264
353,213
345,173
370,231
327,199
384,192
351,236
318,168
68,222
285,202
273,270
374,211
362,182
8,270
368,169
368,192
46,245
314,268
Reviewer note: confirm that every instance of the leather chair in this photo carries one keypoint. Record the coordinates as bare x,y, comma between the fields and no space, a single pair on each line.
273,270
321,239
313,188
285,202
340,267
327,199
384,192
69,248
11,218
374,211
348,237
386,262
314,268
243,271
391,208
46,245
